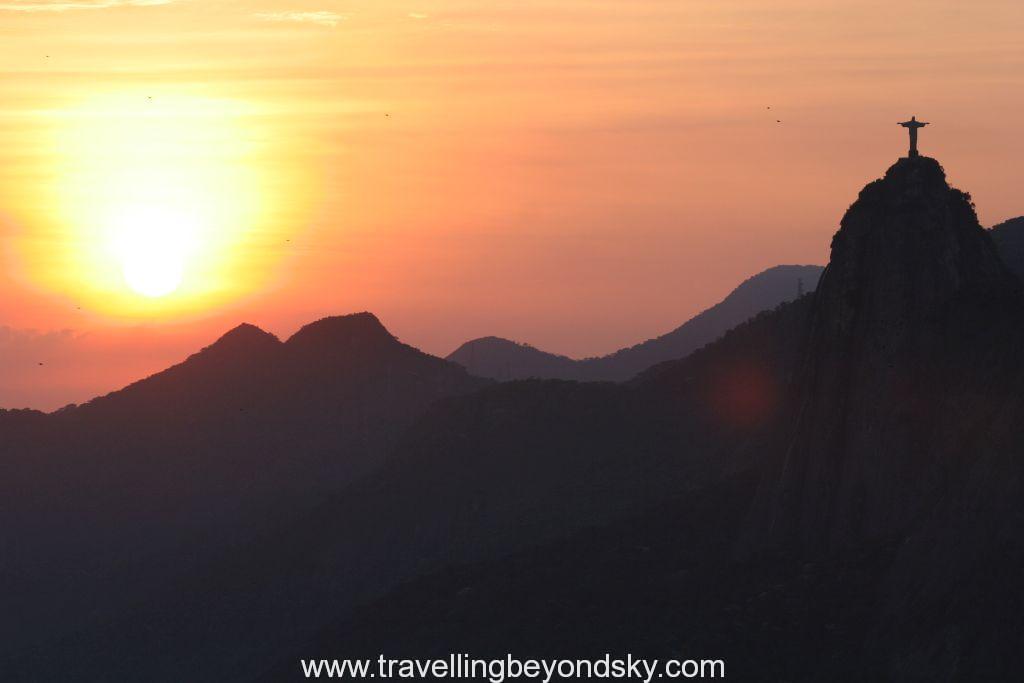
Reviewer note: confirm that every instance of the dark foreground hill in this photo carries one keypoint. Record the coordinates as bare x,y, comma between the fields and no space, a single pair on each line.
109,501
476,478
872,532
502,359
830,491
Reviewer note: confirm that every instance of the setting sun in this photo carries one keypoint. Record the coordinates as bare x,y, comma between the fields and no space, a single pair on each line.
154,204
153,245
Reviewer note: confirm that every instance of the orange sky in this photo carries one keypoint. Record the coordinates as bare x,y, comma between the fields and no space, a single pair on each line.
578,175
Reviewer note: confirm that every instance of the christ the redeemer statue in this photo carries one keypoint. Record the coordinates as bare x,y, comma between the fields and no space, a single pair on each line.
912,125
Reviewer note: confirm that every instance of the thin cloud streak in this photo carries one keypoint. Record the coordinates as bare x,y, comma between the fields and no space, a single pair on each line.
322,18
69,5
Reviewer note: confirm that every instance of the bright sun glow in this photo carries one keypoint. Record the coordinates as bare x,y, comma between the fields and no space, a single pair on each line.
158,205
153,245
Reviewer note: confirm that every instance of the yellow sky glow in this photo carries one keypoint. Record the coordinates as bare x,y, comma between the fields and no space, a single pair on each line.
578,175
153,196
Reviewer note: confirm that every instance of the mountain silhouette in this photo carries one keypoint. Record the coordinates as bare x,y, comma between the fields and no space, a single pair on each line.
476,477
117,497
910,327
502,359
830,490
866,527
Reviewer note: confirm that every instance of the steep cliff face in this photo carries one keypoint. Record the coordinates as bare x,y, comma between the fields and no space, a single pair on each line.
909,360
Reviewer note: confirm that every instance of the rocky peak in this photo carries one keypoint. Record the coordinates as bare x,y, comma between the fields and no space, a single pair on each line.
905,248
902,329
242,337
342,332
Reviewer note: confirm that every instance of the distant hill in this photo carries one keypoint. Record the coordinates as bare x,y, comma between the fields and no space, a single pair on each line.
1009,239
502,359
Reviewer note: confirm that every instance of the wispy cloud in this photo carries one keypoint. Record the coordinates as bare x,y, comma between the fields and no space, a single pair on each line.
322,18
66,5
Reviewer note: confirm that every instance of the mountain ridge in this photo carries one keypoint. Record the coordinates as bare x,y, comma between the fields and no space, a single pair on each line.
502,359
203,455
869,529
829,491
342,331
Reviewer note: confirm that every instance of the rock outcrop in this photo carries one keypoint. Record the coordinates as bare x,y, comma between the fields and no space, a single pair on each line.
908,362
